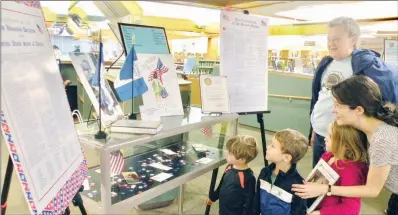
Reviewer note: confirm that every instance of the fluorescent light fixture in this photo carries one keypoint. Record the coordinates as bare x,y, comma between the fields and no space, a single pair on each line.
357,10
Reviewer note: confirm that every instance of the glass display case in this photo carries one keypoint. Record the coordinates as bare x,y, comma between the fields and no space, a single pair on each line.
126,170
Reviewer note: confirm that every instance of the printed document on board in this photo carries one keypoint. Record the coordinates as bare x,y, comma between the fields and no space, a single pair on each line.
244,60
35,114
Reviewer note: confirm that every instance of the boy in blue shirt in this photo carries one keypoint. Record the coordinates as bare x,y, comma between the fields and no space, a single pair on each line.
273,194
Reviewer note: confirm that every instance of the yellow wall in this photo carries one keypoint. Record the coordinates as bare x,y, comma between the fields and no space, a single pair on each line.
212,49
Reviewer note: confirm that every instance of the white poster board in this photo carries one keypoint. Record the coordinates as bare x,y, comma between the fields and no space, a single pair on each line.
244,60
163,89
391,52
85,65
35,115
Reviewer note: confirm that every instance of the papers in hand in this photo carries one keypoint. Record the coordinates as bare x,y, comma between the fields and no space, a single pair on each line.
161,176
160,166
323,174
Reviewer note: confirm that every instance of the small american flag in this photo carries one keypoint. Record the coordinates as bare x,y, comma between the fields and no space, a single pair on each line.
207,131
117,162
160,70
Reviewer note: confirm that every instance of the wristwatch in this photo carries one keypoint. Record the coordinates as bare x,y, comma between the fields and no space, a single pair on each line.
329,193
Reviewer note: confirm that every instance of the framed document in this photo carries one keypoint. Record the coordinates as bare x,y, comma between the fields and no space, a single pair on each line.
214,94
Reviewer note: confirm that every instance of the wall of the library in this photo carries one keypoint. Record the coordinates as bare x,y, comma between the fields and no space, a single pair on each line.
212,48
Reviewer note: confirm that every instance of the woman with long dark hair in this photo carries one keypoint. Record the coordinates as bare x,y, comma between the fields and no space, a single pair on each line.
358,102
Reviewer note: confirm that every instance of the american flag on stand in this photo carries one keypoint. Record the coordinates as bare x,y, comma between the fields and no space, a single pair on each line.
207,131
117,162
160,70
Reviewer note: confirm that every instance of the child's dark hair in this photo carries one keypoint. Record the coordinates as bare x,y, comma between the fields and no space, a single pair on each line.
362,91
243,147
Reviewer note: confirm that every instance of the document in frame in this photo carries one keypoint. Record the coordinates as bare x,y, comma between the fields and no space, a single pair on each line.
214,94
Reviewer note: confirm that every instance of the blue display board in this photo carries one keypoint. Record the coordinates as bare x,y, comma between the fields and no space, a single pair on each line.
146,39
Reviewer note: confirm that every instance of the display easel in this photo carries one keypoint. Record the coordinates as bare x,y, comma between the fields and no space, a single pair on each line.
77,199
260,120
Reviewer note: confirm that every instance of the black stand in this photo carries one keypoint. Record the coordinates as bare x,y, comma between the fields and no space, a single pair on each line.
260,120
77,200
6,186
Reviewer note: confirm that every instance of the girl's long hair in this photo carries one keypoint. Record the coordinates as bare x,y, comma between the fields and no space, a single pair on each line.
348,143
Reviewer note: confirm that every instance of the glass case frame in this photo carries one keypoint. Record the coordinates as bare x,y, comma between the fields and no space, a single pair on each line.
193,121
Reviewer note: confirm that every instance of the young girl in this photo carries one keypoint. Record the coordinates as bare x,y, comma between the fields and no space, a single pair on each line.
346,154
